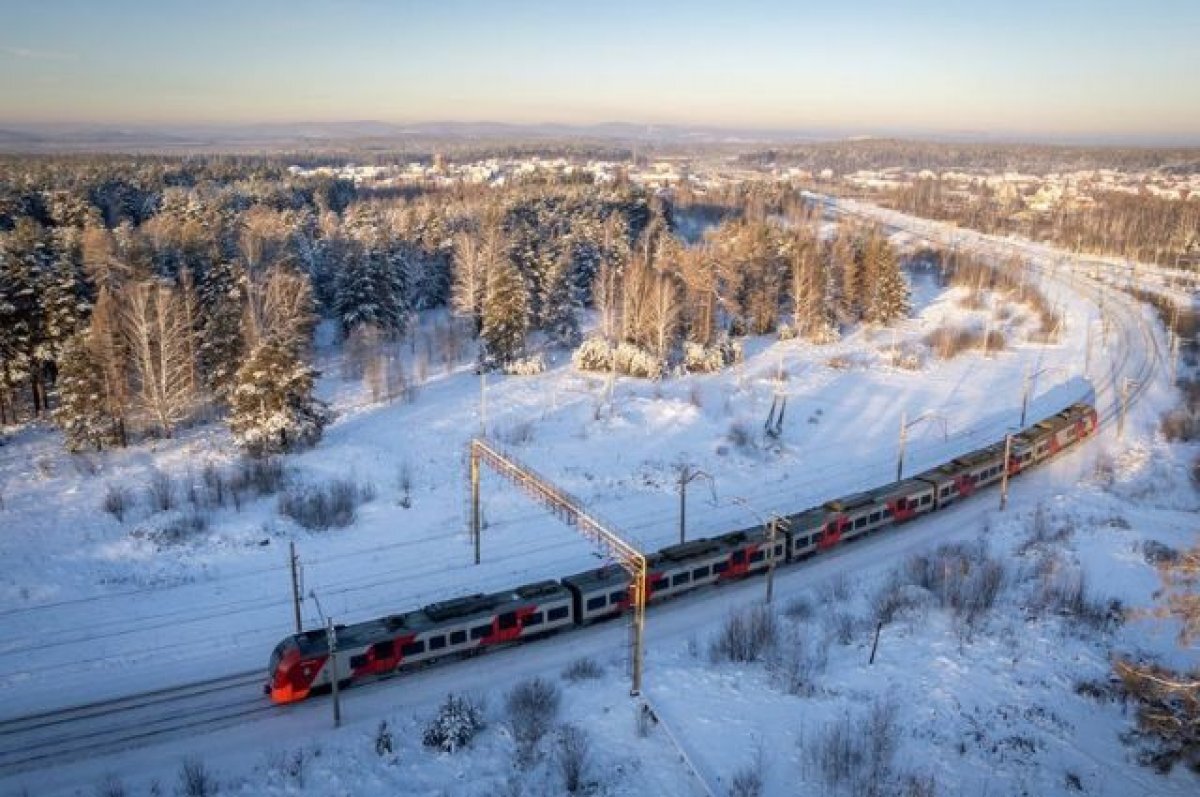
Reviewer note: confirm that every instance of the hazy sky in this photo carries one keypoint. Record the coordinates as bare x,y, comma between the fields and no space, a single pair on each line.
1043,67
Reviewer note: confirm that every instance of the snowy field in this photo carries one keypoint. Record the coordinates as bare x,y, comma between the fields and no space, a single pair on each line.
95,608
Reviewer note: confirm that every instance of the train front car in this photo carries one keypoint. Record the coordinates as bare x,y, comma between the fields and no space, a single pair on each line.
290,674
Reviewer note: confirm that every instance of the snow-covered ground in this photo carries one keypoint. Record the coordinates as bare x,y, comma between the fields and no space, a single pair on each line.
93,608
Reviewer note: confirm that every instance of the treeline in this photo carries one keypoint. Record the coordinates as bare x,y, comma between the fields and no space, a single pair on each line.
1142,227
850,156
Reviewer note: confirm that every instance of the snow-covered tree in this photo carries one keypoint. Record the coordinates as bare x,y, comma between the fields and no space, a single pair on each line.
221,293
505,314
157,337
82,412
272,408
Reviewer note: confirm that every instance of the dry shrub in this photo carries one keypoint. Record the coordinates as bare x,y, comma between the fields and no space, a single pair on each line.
747,635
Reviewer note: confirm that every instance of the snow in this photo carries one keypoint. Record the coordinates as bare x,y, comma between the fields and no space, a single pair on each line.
93,608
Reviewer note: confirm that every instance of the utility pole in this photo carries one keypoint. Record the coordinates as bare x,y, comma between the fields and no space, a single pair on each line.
295,567
773,526
331,634
903,434
475,524
1024,396
1004,472
686,475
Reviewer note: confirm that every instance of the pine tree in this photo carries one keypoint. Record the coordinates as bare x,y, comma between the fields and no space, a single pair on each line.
82,411
505,314
273,409
887,297
558,311
221,294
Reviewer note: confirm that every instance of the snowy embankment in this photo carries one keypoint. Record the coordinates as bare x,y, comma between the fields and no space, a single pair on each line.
92,607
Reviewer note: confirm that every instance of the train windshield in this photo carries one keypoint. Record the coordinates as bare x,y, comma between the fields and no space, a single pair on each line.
276,656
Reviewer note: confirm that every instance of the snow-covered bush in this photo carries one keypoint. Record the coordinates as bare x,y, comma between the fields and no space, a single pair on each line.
456,723
117,500
574,748
532,706
747,635
324,506
195,780
699,359
635,361
383,739
583,669
796,661
594,354
527,366
787,332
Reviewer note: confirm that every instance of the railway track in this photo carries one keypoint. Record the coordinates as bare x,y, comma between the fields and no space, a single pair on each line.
109,726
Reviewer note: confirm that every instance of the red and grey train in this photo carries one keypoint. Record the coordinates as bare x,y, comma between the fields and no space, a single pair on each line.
300,663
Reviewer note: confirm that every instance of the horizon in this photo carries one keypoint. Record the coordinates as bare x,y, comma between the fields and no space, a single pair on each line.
1031,72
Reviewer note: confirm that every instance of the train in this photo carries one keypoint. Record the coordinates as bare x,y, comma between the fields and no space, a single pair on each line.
300,665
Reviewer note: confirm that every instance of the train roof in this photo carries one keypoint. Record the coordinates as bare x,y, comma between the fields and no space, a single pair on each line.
432,616
610,575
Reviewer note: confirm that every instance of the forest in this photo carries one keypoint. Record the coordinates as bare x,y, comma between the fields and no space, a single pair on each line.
141,295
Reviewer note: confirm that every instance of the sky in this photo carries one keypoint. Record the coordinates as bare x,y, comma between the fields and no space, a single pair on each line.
1040,68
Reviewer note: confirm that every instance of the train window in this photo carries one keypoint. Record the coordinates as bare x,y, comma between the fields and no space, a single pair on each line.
802,541
925,499
596,603
700,572
358,661
680,578
413,648
738,557
875,517
557,614
437,642
508,620
720,567
385,650
887,510
945,492
534,619
458,637
861,522
480,631
617,596
757,556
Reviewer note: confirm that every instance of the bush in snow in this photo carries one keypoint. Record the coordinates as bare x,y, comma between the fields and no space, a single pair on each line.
383,739
116,501
796,661
634,361
111,786
747,635
161,491
324,506
532,706
583,669
195,780
594,354
526,366
699,359
272,408
456,723
855,754
574,749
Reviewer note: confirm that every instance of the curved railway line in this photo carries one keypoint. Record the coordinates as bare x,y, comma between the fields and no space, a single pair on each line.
78,732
